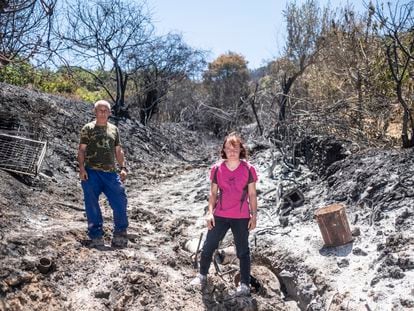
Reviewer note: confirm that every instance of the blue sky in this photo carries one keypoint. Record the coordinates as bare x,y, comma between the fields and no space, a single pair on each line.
255,29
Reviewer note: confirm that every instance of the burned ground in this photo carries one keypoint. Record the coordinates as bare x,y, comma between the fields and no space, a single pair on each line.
168,187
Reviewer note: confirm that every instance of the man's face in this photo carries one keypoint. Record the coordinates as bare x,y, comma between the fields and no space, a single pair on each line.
102,113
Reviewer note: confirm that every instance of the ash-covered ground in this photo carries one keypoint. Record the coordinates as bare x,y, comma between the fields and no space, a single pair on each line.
168,188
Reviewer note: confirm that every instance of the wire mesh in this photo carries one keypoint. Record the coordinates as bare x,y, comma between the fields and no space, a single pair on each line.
20,154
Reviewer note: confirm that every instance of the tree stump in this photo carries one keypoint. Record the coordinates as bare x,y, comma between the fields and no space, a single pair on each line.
334,225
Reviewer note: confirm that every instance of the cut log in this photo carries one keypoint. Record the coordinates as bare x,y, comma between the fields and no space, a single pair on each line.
334,225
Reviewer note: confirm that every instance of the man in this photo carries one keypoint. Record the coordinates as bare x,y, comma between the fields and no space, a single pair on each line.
99,146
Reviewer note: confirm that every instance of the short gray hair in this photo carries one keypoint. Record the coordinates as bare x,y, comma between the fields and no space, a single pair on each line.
103,102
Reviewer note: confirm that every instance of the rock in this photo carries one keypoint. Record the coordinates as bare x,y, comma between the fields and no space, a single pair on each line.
284,221
102,294
407,303
145,300
406,261
267,279
291,306
375,280
171,262
191,245
135,278
356,231
359,252
396,273
342,263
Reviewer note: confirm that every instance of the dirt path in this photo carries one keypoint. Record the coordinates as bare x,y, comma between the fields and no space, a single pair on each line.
152,273
169,216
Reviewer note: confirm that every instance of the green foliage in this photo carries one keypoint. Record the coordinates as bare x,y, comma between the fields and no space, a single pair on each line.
19,73
77,82
57,83
90,96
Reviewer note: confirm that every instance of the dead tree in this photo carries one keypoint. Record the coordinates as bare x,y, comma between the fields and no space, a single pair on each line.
226,80
252,98
103,34
168,60
399,44
305,28
25,27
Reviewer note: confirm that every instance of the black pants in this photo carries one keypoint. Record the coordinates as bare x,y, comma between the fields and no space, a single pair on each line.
241,239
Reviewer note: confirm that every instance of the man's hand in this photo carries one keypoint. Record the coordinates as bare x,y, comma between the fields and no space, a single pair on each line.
123,174
252,222
83,175
210,221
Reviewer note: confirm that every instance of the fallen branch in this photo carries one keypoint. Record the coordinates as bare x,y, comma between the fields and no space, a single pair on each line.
328,306
72,206
195,263
269,191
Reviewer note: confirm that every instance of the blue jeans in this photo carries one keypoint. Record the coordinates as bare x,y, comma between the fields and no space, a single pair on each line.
239,228
111,185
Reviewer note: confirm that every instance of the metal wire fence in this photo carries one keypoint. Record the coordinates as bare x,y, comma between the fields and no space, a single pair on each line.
21,155
20,150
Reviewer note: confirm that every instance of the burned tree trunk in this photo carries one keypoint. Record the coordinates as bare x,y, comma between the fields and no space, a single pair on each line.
150,106
333,224
407,133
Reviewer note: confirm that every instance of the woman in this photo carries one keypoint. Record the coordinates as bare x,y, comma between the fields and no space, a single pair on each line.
232,205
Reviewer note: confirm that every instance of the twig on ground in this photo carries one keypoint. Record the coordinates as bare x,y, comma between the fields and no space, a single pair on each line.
72,206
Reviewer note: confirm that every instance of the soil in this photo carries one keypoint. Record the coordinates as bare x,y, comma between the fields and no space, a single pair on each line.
42,218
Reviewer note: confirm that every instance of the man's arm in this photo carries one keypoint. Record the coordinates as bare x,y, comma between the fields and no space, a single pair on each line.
120,158
83,175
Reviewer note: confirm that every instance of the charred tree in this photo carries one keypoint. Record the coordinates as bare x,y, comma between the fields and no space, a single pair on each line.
399,43
305,28
103,35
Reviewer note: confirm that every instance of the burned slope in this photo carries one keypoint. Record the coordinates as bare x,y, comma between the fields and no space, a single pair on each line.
375,270
319,153
58,121
377,180
378,187
168,187
43,217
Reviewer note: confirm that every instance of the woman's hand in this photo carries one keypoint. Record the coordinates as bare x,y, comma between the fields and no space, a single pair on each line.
252,222
210,221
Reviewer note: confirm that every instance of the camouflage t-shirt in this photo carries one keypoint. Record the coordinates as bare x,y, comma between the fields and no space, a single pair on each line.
101,142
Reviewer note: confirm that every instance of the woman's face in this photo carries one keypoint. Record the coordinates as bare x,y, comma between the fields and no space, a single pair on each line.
232,151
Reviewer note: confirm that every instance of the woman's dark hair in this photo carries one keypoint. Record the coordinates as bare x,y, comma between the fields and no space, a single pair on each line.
235,140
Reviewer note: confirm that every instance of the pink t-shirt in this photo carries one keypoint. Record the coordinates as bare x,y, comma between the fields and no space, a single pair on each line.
231,183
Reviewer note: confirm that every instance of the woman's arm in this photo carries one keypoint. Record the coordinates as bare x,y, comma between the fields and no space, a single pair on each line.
252,205
211,205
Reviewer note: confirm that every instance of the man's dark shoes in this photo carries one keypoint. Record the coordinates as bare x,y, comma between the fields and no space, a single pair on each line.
120,239
96,243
